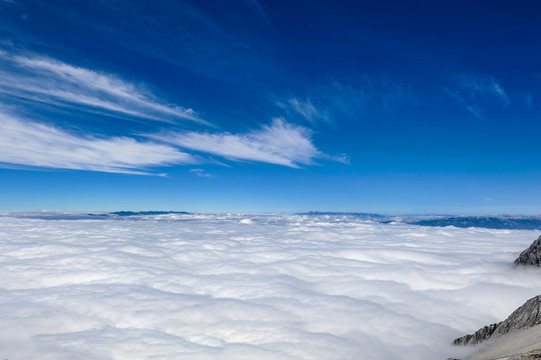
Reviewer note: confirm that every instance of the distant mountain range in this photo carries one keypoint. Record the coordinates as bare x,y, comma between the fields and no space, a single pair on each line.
117,214
489,222
77,215
136,213
516,222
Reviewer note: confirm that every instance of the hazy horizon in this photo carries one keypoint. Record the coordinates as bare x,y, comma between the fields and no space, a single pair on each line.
290,212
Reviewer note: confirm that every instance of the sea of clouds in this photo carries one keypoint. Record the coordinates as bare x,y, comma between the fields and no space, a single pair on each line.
251,287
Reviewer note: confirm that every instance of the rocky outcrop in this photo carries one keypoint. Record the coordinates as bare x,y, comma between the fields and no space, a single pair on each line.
532,255
523,340
526,316
479,336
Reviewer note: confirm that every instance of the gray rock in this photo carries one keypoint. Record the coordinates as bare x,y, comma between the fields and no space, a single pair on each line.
532,255
526,316
479,336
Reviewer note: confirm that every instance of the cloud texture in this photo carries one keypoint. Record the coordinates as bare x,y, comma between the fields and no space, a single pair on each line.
46,80
29,143
475,92
279,143
64,89
251,287
334,101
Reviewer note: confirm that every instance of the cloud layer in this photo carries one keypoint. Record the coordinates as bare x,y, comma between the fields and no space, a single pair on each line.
251,287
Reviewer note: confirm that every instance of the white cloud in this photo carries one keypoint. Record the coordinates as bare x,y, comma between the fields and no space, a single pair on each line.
42,80
29,143
305,108
285,287
54,82
342,158
201,172
280,143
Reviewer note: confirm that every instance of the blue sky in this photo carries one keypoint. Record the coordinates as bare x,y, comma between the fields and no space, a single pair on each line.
385,106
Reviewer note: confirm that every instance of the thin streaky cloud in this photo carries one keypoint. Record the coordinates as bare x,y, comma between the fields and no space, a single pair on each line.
475,111
50,80
67,99
280,143
304,108
480,87
201,173
106,83
25,142
333,100
476,92
342,158
183,35
258,9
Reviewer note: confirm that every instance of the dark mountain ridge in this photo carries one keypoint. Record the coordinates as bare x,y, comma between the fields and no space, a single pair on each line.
140,213
516,222
526,316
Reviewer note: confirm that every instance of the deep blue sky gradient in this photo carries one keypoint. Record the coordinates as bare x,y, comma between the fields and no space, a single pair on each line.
410,106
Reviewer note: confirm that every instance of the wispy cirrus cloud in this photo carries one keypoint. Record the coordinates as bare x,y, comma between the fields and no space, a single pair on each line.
279,143
201,173
258,9
483,87
29,143
476,91
183,33
334,100
25,142
64,87
304,108
476,111
49,81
